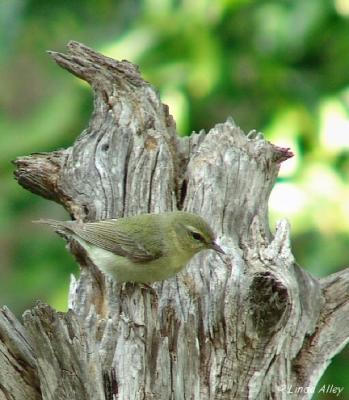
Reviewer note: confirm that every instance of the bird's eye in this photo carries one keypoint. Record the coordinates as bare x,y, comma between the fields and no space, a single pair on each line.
197,236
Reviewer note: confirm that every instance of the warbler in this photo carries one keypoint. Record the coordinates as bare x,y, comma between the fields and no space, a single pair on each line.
144,248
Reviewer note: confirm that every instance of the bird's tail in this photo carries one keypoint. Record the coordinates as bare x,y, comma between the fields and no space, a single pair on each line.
56,225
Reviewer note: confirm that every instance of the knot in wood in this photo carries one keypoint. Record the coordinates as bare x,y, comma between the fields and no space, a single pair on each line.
268,303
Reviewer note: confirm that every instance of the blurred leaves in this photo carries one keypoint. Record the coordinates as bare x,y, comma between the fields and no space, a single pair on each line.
280,67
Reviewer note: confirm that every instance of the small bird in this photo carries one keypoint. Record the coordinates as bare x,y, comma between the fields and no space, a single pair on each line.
144,248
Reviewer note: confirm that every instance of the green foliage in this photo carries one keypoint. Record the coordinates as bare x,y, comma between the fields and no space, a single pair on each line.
277,66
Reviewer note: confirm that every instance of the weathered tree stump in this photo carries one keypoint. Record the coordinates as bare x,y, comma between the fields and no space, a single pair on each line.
250,326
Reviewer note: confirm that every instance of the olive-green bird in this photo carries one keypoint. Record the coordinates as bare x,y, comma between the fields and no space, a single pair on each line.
144,248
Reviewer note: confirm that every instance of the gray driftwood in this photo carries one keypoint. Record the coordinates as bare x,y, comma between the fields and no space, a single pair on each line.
253,325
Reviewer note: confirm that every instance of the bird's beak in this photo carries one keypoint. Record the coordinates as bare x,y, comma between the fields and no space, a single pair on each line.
217,248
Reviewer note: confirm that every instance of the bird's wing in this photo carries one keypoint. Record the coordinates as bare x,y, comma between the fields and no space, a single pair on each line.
106,235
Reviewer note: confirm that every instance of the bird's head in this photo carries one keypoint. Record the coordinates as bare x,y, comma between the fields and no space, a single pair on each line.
194,233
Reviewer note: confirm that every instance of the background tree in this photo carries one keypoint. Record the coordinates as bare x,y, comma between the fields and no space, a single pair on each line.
250,325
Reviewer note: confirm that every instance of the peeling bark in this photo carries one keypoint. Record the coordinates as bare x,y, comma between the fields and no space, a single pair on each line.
244,326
